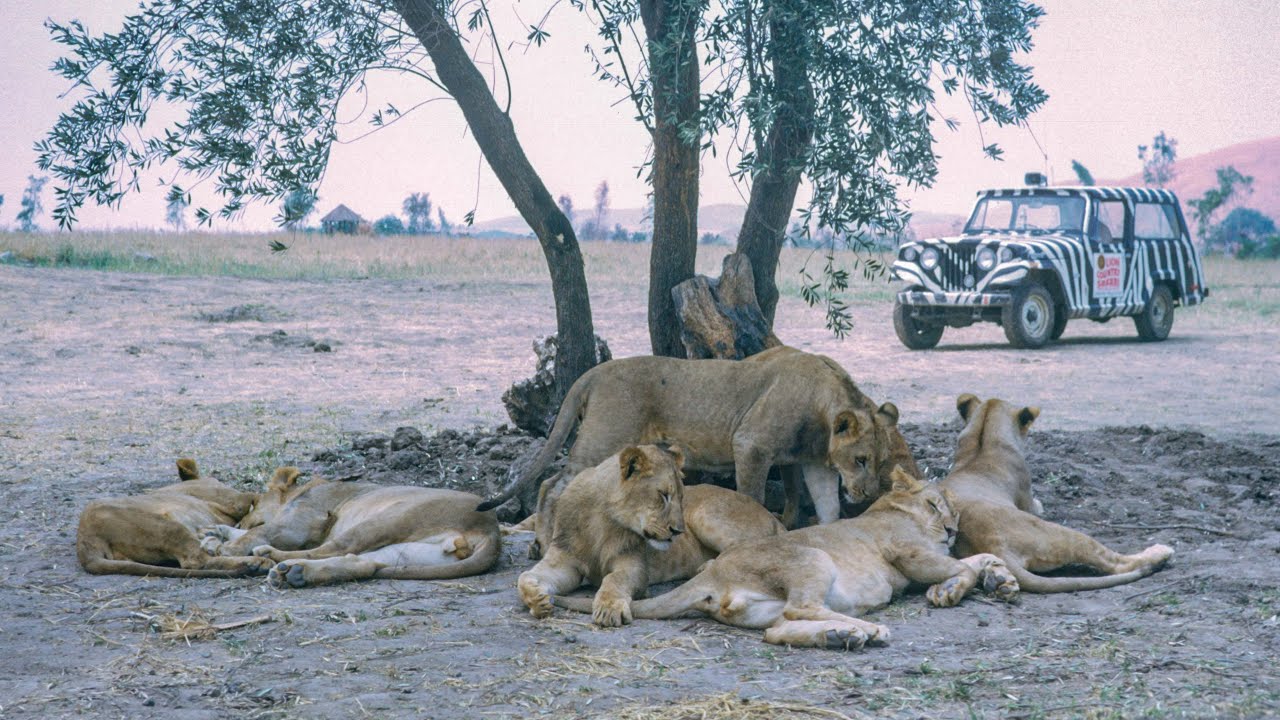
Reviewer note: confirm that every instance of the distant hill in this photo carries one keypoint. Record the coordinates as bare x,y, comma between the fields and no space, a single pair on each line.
1259,158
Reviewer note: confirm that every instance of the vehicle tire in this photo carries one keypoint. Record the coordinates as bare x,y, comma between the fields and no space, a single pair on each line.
1029,320
1059,322
913,333
1156,319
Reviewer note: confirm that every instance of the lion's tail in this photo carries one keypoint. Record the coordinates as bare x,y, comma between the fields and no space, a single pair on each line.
1030,582
108,566
482,559
574,402
682,601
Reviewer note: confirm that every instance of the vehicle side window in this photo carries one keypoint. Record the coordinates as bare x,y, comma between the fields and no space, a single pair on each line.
1153,221
1110,226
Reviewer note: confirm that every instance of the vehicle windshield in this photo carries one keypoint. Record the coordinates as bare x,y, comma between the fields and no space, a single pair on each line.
1027,213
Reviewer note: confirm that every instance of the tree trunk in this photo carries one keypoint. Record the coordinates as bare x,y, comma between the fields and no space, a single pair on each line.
496,136
673,68
720,318
773,188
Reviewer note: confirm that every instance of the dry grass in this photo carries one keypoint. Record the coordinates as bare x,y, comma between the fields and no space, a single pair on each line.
1249,288
728,706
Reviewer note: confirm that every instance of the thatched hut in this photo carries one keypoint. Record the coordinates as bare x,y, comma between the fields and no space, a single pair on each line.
341,219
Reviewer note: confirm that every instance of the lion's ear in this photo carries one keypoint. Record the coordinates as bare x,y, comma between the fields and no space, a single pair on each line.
846,423
187,469
1026,416
887,415
633,462
902,480
965,405
678,455
285,477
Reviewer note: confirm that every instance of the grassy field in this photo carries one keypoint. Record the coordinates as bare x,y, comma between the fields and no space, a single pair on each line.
1239,287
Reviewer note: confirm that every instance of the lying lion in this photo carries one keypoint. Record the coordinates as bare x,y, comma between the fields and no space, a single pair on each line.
628,523
330,532
807,587
785,408
158,532
991,483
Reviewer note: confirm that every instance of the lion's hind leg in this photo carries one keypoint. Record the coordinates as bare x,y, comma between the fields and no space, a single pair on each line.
1058,546
846,634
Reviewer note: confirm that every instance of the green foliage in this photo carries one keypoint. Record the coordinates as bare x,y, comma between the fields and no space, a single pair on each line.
255,83
1263,248
296,208
32,204
446,227
417,208
1082,173
1230,182
1239,226
389,225
1158,159
872,70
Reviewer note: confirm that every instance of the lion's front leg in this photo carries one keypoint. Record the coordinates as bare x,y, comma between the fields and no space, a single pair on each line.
555,574
950,579
612,605
994,576
218,535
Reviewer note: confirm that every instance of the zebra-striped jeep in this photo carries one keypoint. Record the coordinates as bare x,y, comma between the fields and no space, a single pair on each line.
1033,258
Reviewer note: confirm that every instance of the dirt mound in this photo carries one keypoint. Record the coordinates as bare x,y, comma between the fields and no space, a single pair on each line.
477,461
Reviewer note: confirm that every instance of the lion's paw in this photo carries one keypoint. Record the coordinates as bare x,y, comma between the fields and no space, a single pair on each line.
1158,554
211,544
948,593
461,548
846,638
263,551
999,581
536,599
611,612
288,574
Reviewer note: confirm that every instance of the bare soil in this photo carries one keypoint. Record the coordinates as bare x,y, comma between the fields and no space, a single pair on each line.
106,378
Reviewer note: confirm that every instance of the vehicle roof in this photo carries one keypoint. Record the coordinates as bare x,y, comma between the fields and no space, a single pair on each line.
1133,194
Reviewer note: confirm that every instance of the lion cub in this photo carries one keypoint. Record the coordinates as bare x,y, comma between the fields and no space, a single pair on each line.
330,532
628,523
807,587
158,532
991,483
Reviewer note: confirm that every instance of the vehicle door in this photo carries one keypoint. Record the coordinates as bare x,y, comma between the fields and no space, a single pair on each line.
1110,249
1156,236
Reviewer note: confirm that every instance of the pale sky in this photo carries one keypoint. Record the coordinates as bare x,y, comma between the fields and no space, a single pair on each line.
1204,71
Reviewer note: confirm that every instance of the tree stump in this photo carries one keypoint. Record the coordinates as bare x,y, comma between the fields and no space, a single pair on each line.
532,404
721,318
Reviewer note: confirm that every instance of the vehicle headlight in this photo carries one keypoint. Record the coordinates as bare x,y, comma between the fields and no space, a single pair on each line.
909,254
1006,254
929,258
986,259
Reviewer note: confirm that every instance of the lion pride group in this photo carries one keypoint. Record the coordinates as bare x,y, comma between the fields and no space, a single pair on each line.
620,516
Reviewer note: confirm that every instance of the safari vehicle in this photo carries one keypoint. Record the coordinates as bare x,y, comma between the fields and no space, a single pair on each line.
1033,258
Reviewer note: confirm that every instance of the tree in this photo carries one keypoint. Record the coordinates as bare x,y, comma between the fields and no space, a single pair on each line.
566,206
594,229
836,92
1158,159
254,87
1203,208
446,227
1240,227
32,205
295,209
417,208
175,212
1082,173
619,234
389,225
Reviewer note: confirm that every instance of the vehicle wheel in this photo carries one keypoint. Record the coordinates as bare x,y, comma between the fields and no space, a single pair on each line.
913,333
1157,318
1059,322
1029,320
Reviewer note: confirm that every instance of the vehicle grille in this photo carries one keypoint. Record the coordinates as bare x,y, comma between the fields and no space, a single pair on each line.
953,264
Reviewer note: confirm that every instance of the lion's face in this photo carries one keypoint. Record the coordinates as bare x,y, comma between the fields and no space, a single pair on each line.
652,493
928,504
860,448
280,489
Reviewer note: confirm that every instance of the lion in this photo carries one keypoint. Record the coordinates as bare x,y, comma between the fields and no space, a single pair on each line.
326,532
786,408
158,533
806,587
991,483
630,522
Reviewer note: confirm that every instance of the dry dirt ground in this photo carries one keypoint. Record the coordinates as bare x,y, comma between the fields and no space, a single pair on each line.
106,378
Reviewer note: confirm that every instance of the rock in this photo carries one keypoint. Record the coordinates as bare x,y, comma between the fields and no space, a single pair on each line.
406,437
